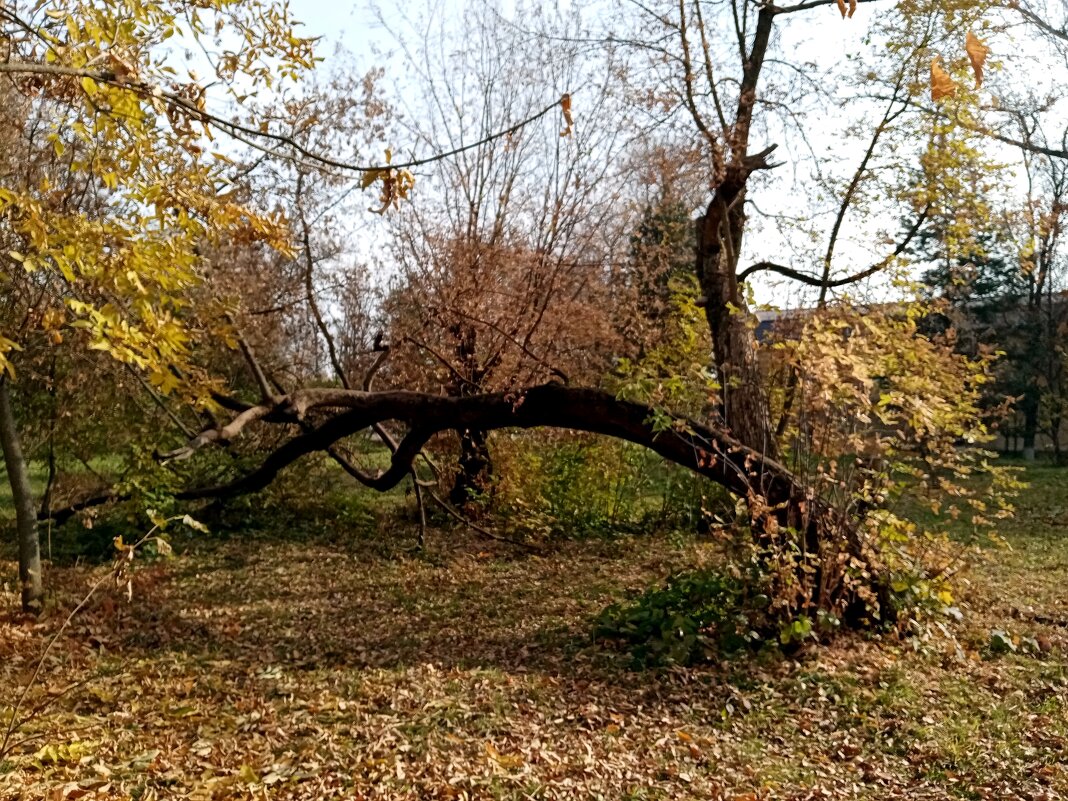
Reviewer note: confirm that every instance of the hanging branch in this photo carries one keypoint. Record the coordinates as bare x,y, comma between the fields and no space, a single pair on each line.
254,137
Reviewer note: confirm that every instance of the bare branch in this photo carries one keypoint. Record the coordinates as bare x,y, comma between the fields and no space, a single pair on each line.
254,366
223,435
815,280
847,199
309,287
691,103
1031,16
805,6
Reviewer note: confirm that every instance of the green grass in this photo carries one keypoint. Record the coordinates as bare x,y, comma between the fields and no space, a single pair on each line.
38,477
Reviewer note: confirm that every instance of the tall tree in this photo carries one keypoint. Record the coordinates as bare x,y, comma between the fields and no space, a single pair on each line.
717,66
112,193
30,578
502,258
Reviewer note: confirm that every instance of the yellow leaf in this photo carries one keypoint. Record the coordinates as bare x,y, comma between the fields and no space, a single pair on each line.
89,86
941,84
196,525
248,775
370,177
508,761
977,53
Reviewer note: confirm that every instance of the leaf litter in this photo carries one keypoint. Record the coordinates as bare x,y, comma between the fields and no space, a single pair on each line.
312,671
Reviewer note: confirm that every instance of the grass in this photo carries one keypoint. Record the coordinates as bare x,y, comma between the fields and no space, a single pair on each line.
334,664
38,477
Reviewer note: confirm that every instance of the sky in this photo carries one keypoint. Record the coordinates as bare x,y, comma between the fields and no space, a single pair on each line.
364,30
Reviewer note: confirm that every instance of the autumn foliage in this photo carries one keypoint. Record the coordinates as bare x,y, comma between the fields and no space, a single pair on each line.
581,254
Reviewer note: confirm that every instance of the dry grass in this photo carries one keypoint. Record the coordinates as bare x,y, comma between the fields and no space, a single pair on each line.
279,670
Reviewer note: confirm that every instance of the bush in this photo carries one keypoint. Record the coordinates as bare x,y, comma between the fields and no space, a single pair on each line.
696,615
586,486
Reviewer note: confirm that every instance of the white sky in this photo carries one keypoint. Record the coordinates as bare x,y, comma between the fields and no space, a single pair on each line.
810,38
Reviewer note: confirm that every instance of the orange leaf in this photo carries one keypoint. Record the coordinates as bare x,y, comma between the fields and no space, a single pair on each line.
565,104
977,53
852,8
941,84
842,8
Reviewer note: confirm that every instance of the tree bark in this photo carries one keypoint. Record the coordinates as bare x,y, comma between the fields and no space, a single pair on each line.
744,398
30,578
744,403
1055,436
1030,430
823,538
475,466
705,448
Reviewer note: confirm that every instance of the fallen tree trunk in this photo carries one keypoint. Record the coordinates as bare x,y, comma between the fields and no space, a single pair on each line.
703,448
817,543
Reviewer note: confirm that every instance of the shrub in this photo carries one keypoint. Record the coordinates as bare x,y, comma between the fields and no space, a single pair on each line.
695,615
566,485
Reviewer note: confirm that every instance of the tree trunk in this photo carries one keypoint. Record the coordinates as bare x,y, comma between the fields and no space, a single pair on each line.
475,465
476,469
25,511
744,397
1030,431
828,546
1055,435
744,404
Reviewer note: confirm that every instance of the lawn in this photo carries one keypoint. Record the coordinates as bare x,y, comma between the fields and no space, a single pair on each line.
337,664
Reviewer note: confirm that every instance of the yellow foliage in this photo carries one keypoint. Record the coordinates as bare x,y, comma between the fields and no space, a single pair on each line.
905,408
125,264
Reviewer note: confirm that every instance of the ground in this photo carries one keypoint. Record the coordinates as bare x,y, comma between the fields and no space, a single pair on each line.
341,665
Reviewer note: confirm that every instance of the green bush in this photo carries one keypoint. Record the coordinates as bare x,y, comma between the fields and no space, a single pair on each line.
694,616
586,486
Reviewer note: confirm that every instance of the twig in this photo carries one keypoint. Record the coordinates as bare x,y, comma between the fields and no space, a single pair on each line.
451,511
15,724
253,364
